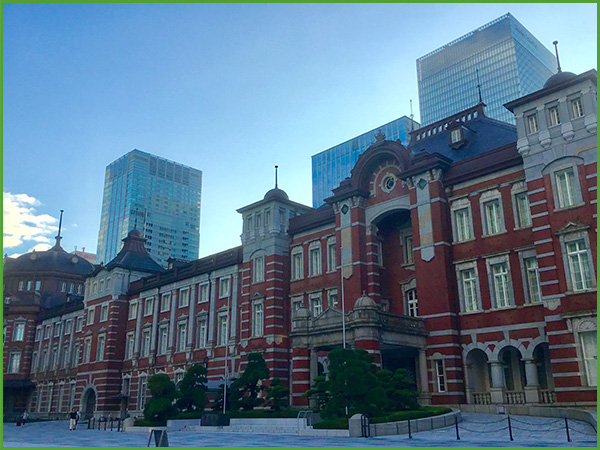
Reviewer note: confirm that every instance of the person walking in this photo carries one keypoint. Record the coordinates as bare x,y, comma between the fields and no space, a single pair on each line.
73,419
24,417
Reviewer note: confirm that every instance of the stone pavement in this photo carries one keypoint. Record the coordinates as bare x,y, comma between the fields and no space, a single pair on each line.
476,430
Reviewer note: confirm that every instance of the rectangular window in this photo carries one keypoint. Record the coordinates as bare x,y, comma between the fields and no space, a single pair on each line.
224,287
589,353
203,295
440,375
532,124
408,250
181,336
222,332
34,362
54,357
38,285
101,285
331,255
576,108
296,305
258,221
469,285
462,221
257,319
100,348
532,280
14,362
411,303
19,331
297,269
90,315
163,335
316,306
201,333
523,211
133,307
565,187
332,298
142,386
267,217
103,313
314,260
63,287
249,223
145,350
68,326
65,357
87,349
21,285
129,345
455,136
493,217
184,298
79,323
44,359
75,356
579,265
501,286
57,329
47,331
554,116
258,269
38,333
165,302
148,306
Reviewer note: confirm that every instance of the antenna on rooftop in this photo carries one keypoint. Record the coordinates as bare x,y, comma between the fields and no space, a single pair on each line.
58,237
276,176
478,86
556,50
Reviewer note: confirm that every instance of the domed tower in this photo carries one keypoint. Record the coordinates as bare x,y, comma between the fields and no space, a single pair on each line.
264,309
39,287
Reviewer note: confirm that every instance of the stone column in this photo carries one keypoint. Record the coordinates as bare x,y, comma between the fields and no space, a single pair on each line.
211,312
532,394
154,329
425,395
497,389
191,322
138,331
234,307
172,329
468,382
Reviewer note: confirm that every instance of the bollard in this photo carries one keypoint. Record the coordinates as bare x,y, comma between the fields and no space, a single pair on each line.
510,429
111,423
105,423
409,433
456,424
89,423
567,429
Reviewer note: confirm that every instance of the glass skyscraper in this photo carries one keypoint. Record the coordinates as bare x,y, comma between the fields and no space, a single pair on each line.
508,60
160,197
333,165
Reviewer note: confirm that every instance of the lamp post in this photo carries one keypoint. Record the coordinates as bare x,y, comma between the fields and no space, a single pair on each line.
226,352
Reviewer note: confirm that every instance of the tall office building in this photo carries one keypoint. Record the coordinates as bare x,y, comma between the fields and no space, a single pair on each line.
333,165
160,197
508,60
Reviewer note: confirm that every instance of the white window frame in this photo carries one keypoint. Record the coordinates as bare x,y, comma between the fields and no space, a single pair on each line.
201,331
532,125
14,361
412,303
91,312
576,108
258,318
223,328
57,329
133,309
129,344
500,283
485,200
333,294
522,214
589,360
148,306
142,394
204,293
297,303
553,116
163,339
456,207
580,234
68,327
165,302
316,304
38,333
19,330
441,381
79,324
181,337
526,272
224,286
331,254
315,259
104,312
460,269
145,343
297,263
87,350
101,347
183,300
258,269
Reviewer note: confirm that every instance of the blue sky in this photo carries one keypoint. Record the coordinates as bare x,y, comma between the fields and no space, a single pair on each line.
231,89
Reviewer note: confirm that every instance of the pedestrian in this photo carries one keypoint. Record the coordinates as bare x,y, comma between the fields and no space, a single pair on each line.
73,419
24,417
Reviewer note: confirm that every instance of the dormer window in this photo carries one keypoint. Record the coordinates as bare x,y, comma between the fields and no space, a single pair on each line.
457,137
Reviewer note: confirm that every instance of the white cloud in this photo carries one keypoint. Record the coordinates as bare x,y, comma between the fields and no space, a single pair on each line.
24,225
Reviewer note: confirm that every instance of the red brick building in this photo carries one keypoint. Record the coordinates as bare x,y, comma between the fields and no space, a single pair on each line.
467,257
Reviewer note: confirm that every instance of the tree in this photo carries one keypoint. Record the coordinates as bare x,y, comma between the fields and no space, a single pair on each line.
404,395
193,389
246,388
277,395
320,391
160,407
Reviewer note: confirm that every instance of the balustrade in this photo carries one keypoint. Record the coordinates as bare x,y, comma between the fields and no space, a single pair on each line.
514,397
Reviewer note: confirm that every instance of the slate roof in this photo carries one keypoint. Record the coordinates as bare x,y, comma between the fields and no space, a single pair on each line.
134,255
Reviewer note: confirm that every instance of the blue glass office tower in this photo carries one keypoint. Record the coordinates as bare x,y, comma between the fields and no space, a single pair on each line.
333,165
160,197
511,63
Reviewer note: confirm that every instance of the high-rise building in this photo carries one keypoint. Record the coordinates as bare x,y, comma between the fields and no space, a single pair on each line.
159,197
501,57
333,165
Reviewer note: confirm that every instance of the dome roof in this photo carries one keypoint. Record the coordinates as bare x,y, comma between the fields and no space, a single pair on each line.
276,194
53,260
364,301
558,78
135,233
302,313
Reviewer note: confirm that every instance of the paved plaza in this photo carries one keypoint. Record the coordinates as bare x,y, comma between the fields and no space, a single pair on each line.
475,430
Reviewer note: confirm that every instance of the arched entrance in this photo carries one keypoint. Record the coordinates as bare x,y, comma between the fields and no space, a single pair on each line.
545,380
479,377
88,403
514,374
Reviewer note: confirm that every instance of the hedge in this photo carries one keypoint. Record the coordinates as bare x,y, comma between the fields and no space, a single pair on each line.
341,423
